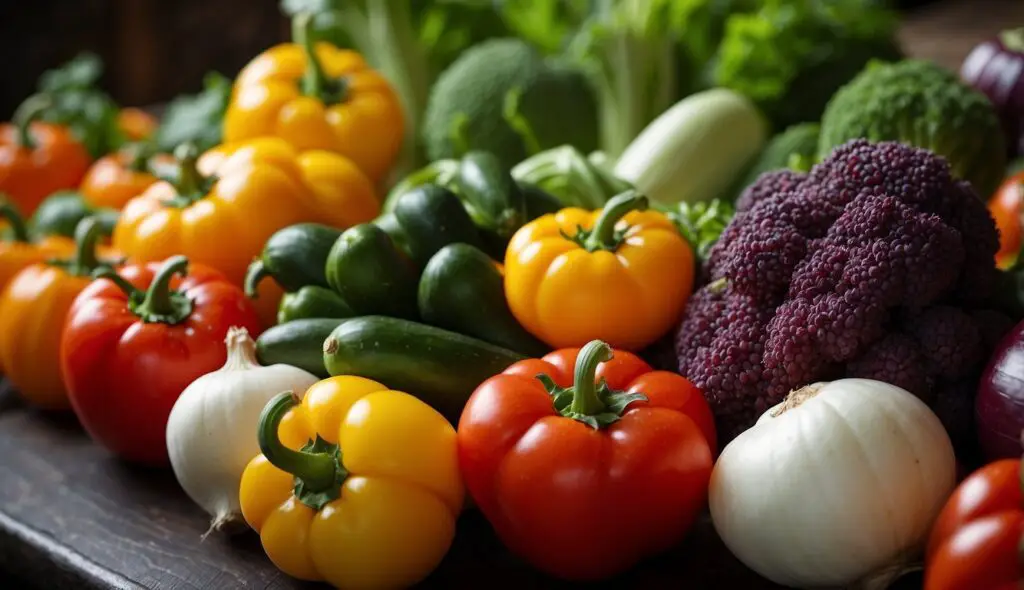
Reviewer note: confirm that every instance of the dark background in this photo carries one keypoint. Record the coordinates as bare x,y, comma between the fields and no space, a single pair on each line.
153,50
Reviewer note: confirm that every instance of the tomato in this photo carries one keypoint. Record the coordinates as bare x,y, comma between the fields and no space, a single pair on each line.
1005,207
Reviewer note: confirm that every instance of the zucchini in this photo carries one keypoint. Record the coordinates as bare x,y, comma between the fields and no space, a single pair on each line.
431,217
441,368
490,195
462,290
312,301
371,274
298,343
294,257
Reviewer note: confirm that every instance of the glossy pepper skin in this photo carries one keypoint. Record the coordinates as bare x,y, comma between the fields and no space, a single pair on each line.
1005,208
38,158
976,541
322,99
338,193
378,491
117,178
584,479
33,306
220,222
21,248
621,274
134,340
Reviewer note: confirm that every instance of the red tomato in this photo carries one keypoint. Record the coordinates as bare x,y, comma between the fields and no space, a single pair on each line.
1005,207
976,540
131,344
577,501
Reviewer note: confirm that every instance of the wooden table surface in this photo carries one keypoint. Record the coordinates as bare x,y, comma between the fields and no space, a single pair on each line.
73,517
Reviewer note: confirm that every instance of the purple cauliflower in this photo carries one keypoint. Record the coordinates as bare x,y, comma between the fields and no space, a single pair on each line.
875,264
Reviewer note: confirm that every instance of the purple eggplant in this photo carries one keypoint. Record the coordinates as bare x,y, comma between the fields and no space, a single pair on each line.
996,67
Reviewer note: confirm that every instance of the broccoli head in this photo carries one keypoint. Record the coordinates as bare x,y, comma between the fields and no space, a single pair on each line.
877,263
922,104
790,56
469,105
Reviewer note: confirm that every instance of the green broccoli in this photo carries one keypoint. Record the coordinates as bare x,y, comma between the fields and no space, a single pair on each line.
920,103
790,56
795,148
503,97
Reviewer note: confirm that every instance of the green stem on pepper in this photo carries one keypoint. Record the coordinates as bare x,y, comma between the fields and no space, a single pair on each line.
594,404
87,236
27,113
603,235
315,81
139,155
161,303
19,231
317,467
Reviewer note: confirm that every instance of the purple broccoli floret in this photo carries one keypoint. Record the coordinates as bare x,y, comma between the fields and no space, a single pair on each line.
875,264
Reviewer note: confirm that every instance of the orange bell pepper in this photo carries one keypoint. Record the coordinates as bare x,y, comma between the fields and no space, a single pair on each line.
21,250
220,221
1005,207
621,275
117,178
136,124
33,307
339,193
322,99
37,158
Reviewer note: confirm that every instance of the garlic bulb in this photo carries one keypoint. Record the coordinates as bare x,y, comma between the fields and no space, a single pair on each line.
211,432
837,485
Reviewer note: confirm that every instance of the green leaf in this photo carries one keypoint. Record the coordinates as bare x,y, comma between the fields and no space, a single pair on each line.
702,223
197,118
82,72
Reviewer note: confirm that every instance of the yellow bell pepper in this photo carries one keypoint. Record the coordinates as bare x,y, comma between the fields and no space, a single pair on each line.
621,275
325,98
357,485
339,195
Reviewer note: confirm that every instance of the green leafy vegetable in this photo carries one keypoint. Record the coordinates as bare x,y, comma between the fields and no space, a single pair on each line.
75,100
702,223
196,118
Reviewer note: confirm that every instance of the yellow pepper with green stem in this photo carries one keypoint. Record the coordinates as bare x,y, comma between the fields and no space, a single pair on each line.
318,97
357,485
621,274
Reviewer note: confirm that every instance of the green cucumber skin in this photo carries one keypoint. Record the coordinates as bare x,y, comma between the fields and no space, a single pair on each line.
431,217
441,368
463,291
312,301
371,274
295,255
490,194
299,343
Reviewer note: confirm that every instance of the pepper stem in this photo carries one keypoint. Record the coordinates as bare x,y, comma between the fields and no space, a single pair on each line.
1013,39
256,272
19,231
161,303
302,34
87,235
318,471
138,156
585,399
190,180
602,235
27,113
105,272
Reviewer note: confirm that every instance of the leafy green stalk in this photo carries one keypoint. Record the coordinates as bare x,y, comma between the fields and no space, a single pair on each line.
197,118
702,223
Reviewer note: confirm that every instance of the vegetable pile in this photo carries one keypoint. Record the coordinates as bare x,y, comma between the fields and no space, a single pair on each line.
593,269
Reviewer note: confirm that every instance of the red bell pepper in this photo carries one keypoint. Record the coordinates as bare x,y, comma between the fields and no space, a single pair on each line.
583,478
978,538
133,341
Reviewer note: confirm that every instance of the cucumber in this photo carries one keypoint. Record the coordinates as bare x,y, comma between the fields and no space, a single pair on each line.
294,257
490,195
298,343
312,301
441,368
462,290
431,217
371,274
